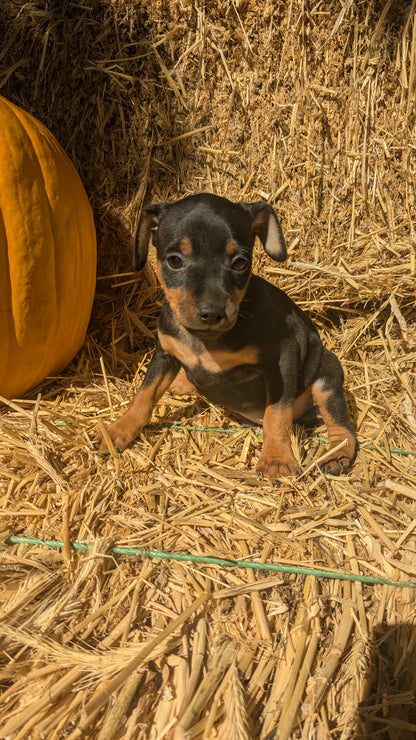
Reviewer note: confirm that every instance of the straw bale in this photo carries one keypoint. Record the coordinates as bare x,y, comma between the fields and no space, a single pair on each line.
310,106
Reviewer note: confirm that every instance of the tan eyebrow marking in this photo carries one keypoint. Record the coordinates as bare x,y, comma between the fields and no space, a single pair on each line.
231,247
185,245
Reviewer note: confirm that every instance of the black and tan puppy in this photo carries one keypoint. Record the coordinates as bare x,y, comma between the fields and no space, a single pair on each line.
241,341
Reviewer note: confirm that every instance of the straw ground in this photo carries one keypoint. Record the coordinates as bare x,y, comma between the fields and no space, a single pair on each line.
310,105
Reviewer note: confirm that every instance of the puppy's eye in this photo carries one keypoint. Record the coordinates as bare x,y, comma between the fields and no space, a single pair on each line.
175,262
239,264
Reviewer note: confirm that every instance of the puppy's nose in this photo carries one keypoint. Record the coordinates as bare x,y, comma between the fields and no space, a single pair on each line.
211,315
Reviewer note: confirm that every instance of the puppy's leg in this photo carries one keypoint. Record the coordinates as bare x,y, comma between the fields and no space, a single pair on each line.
161,371
328,394
277,459
181,386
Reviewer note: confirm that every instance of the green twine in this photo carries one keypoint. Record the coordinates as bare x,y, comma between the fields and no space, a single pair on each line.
222,562
259,433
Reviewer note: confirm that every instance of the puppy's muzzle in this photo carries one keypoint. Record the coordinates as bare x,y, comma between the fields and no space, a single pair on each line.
211,315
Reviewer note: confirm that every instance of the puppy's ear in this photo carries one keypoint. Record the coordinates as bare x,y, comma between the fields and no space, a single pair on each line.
149,220
266,225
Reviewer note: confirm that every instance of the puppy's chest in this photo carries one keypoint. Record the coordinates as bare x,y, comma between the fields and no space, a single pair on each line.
200,359
233,379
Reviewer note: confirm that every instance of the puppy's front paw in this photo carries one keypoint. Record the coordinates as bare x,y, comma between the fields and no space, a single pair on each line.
120,433
275,468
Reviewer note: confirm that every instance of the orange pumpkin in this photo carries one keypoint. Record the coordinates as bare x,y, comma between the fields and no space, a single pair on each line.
47,254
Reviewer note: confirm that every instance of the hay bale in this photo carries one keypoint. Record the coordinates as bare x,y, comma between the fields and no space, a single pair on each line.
309,105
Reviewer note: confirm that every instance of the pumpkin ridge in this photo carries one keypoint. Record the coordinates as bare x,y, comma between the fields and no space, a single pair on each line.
26,228
48,251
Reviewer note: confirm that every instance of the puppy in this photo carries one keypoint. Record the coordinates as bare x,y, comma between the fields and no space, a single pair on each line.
241,341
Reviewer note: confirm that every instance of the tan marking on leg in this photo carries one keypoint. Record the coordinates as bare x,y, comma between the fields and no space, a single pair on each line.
302,404
181,386
137,416
277,459
336,434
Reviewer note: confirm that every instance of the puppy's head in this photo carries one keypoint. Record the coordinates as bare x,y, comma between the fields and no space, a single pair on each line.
204,246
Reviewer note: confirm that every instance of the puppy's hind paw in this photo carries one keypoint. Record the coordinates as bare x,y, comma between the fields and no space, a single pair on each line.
337,466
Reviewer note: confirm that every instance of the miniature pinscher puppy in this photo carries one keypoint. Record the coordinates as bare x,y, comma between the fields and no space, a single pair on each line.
241,341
